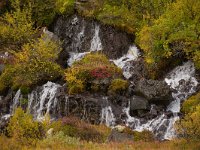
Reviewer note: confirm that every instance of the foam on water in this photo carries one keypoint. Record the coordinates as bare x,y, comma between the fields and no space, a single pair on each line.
182,80
133,54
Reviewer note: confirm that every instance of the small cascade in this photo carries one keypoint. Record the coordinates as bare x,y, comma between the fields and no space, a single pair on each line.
182,80
16,101
96,44
77,44
133,54
44,101
107,116
75,57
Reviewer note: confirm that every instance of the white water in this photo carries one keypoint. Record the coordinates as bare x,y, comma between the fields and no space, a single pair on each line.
133,54
16,101
96,44
107,116
183,82
40,103
75,57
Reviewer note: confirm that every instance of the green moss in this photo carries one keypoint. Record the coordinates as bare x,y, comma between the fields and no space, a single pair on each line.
65,7
118,86
191,104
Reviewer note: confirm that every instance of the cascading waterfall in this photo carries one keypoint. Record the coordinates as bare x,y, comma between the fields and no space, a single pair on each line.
16,101
44,101
183,82
133,54
107,116
96,44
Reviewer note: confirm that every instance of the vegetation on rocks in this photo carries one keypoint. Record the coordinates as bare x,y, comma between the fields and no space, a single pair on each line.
176,31
93,70
164,30
188,126
35,63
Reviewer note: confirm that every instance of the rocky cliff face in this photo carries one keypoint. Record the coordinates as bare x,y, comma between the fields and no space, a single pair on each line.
83,35
146,105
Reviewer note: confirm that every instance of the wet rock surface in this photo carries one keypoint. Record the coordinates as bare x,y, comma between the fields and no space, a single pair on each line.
155,91
77,34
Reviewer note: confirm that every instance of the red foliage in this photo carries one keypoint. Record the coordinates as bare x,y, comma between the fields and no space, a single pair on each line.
101,73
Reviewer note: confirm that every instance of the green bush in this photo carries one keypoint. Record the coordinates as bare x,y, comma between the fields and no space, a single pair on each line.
65,7
16,27
35,63
189,126
118,86
145,136
74,127
129,15
191,104
171,34
23,129
93,67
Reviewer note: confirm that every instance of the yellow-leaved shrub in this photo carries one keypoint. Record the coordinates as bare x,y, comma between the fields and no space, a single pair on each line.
34,64
93,69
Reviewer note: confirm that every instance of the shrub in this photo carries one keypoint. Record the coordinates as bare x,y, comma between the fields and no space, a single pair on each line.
74,127
145,136
65,7
191,104
23,129
93,67
16,27
118,86
35,63
172,34
58,141
189,126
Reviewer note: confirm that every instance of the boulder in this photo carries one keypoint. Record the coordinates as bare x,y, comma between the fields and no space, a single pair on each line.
116,136
138,103
154,91
135,70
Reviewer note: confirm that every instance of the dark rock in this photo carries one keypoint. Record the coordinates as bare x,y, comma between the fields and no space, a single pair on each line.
85,107
137,103
4,123
117,136
155,91
77,33
5,103
136,69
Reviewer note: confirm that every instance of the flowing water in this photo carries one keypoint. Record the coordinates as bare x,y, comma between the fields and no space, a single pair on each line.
123,62
43,101
184,84
96,45
182,80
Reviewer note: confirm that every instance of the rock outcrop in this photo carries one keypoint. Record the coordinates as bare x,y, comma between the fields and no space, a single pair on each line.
82,35
154,91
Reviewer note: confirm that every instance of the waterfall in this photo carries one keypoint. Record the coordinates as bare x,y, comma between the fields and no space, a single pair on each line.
107,116
16,101
44,101
75,57
96,44
133,54
184,84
